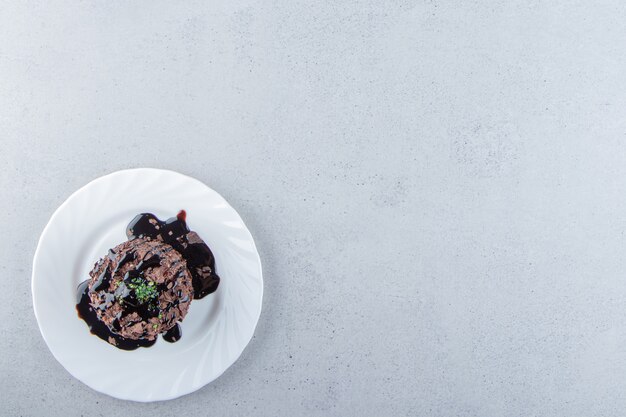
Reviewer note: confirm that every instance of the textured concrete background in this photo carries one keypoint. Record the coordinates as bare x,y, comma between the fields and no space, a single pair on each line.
437,190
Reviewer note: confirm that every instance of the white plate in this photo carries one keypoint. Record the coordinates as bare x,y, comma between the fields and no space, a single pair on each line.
217,327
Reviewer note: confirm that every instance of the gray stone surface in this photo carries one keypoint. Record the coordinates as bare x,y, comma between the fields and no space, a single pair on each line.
437,190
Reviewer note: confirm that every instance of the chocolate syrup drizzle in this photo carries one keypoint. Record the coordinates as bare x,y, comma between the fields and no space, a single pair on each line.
173,231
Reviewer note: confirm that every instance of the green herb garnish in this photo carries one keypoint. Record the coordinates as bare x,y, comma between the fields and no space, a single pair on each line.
144,291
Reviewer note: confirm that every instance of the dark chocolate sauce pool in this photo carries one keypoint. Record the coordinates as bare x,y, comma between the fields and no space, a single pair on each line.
87,313
173,231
